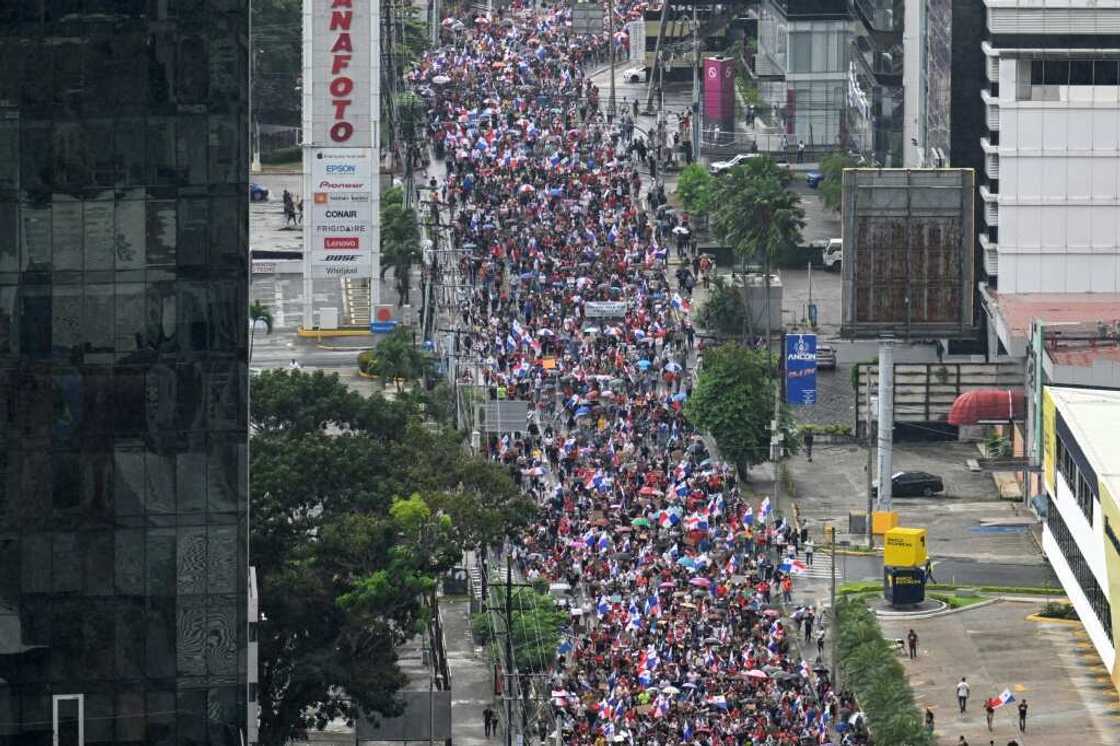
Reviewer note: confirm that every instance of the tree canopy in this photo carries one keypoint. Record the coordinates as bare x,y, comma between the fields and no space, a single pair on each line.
734,400
754,212
694,186
832,174
359,506
725,311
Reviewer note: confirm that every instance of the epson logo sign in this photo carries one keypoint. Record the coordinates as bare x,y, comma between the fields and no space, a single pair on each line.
342,168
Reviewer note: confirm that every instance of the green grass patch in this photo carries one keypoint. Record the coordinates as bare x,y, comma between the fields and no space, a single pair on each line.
862,586
957,602
872,670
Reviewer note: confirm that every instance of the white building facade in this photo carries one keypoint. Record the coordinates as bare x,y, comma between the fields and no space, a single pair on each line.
1052,151
1081,535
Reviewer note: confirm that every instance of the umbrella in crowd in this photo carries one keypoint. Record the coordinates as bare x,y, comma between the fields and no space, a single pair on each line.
568,305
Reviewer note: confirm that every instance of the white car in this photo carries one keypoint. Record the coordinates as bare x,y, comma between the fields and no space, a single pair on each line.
633,74
720,166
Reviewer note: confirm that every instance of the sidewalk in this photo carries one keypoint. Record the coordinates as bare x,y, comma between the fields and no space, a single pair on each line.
472,682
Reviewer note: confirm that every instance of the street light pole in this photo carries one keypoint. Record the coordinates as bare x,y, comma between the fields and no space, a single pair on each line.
509,650
611,106
695,85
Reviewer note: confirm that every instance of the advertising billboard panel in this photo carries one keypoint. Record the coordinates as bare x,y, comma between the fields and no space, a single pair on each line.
801,369
342,68
908,259
340,224
719,89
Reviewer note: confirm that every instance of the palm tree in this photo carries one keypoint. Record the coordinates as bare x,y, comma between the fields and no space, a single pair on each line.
258,312
757,215
400,246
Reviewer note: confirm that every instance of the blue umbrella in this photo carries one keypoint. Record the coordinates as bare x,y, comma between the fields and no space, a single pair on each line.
686,562
680,397
583,412
644,364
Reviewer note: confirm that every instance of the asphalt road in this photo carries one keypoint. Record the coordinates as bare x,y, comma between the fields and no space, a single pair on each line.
955,571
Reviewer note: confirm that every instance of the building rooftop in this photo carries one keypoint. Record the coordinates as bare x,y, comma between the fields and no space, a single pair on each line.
1020,309
1093,416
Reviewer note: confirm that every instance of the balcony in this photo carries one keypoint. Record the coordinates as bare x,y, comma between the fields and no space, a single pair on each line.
992,106
991,165
991,206
991,255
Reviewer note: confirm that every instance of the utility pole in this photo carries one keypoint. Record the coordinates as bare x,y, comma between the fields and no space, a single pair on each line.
868,433
695,85
776,440
611,106
656,58
835,612
509,650
886,421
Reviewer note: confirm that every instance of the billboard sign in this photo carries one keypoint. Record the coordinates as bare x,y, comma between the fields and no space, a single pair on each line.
801,369
908,261
601,309
719,89
341,215
342,68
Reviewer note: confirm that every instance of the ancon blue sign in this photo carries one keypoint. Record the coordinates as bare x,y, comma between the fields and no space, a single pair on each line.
801,368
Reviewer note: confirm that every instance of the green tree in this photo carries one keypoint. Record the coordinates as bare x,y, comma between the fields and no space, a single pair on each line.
398,360
344,561
725,311
258,313
734,401
400,243
276,47
694,187
536,625
832,174
757,215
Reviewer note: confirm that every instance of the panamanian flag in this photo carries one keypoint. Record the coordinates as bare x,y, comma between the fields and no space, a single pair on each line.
1005,698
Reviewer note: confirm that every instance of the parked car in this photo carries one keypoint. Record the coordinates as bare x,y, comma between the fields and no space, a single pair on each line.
633,74
720,166
826,357
912,484
258,192
832,254
814,179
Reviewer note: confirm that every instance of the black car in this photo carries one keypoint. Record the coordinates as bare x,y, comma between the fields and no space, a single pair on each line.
912,484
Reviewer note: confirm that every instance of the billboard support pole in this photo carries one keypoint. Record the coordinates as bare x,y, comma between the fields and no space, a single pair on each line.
870,435
307,138
886,420
375,145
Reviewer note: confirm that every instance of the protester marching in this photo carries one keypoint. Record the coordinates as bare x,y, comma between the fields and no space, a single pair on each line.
570,307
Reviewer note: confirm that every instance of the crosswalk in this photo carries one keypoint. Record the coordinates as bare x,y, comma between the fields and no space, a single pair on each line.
821,569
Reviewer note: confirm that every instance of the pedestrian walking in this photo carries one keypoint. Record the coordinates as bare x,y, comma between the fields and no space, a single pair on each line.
929,571
962,694
989,713
912,644
807,439
820,643
787,589
808,622
1023,716
929,720
962,742
809,552
800,151
488,721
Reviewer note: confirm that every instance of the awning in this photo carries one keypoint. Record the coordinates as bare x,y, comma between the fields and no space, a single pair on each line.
988,405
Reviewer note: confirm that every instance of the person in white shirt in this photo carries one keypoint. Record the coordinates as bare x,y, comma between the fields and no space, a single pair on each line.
962,694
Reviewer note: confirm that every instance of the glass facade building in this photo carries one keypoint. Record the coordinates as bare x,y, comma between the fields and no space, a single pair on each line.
123,386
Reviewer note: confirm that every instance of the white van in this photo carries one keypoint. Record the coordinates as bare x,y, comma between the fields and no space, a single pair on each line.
832,254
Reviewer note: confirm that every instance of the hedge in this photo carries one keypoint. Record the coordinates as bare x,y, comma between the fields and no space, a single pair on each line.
875,675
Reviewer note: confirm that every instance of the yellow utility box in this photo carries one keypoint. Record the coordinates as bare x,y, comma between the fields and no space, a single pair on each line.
905,547
883,521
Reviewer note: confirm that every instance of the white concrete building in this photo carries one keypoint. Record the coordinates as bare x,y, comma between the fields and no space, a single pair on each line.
1081,471
1052,151
802,66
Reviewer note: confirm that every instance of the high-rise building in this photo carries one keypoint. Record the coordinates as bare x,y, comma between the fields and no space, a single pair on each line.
802,67
123,386
1052,106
